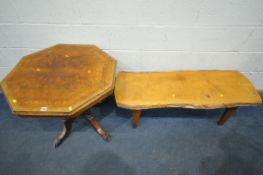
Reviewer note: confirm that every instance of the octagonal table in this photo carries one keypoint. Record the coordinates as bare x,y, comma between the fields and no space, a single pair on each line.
63,81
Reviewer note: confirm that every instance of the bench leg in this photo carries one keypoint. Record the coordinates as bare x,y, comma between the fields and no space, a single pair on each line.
226,115
136,118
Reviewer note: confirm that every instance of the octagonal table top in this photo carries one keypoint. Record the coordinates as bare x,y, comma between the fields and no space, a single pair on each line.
63,80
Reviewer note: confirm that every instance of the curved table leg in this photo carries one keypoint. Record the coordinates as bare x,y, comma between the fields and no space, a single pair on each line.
226,115
64,134
95,124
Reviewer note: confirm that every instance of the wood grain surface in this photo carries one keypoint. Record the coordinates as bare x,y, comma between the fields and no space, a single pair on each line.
59,81
188,89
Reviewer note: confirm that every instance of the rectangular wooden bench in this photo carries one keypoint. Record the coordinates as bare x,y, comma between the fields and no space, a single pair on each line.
186,89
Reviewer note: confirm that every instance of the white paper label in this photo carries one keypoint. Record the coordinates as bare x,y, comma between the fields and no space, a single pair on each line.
43,108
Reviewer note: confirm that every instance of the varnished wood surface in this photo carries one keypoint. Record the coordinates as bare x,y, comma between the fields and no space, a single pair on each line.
62,80
188,89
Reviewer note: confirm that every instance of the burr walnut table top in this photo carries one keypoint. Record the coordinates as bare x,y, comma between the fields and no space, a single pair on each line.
188,89
60,81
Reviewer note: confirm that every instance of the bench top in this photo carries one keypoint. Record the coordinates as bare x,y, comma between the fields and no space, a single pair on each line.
188,89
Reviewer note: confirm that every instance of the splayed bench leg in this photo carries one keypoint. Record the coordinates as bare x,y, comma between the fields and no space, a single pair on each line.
226,115
136,118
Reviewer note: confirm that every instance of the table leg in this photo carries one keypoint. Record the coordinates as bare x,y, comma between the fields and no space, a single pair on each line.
95,124
64,134
226,115
136,118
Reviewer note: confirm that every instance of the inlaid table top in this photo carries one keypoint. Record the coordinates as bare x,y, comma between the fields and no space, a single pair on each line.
63,80
188,89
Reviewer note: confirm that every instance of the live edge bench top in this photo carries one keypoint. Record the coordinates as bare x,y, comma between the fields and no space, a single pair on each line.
188,89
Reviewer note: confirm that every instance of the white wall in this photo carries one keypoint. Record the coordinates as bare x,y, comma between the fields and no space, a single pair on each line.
143,35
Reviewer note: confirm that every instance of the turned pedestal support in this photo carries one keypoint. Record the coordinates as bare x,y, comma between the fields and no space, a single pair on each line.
68,124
